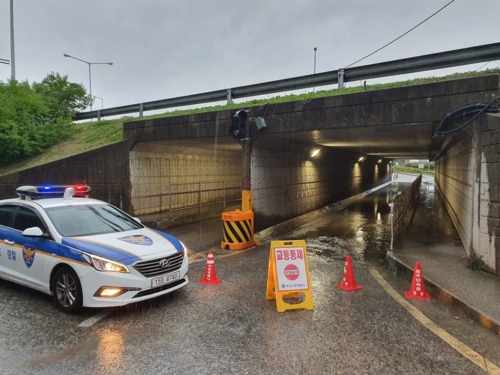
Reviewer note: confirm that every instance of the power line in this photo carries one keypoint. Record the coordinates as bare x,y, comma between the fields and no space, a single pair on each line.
482,66
399,37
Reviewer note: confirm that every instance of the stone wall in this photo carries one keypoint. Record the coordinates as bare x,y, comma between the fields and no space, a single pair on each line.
468,176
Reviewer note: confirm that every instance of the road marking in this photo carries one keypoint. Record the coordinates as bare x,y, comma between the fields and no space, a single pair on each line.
193,258
218,253
94,319
456,344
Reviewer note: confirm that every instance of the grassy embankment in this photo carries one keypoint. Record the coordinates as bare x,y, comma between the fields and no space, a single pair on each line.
90,135
409,170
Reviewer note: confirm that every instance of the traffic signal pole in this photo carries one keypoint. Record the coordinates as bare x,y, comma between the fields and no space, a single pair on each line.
246,181
238,225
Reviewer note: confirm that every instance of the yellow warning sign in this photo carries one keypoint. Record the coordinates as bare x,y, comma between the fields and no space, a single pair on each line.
288,279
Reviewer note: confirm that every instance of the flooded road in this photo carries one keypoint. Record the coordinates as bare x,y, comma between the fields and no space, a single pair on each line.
231,328
362,230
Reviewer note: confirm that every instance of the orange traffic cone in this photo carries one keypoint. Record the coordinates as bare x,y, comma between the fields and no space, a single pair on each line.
417,289
210,276
348,282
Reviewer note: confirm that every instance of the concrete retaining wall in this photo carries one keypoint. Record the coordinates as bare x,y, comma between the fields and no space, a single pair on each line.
104,169
468,176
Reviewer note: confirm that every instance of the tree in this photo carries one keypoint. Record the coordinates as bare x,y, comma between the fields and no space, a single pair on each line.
63,99
33,118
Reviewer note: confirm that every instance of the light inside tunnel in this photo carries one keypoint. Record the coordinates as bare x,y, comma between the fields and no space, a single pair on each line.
361,158
315,152
379,161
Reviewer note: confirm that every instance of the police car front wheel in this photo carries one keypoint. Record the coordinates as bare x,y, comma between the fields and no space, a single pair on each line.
67,290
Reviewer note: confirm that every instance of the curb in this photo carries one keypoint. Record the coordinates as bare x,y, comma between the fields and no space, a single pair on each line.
439,293
282,228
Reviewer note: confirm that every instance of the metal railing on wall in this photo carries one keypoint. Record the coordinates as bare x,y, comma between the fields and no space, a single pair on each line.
197,195
193,197
448,59
401,206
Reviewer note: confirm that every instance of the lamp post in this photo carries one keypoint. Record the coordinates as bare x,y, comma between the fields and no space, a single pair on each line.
315,49
90,73
102,101
12,49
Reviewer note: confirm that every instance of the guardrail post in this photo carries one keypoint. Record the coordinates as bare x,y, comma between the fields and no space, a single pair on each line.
391,215
98,115
341,78
229,96
199,196
141,109
224,193
169,201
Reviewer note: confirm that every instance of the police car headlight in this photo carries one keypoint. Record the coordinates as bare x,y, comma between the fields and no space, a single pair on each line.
185,250
103,264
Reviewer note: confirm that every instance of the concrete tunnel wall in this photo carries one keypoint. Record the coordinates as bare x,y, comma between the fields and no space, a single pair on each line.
157,171
468,176
288,182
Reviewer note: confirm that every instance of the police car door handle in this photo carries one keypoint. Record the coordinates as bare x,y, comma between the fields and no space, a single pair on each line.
9,242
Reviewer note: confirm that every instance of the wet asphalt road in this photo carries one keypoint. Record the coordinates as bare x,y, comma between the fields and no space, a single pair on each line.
230,328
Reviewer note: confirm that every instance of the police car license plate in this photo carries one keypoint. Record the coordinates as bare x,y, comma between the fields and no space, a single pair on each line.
165,279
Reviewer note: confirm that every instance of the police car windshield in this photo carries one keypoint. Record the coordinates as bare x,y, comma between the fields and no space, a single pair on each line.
89,220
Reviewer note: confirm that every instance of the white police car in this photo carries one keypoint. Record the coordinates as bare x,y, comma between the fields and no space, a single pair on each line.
85,252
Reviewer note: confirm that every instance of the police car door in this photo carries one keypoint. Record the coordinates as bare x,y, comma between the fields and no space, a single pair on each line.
24,262
6,216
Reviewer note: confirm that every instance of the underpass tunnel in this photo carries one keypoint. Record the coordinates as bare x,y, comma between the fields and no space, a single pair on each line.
357,135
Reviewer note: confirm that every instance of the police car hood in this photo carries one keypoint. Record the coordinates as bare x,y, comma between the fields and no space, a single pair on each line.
127,247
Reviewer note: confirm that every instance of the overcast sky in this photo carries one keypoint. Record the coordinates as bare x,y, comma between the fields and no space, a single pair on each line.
168,48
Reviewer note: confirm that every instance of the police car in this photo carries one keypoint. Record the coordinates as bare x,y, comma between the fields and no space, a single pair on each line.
85,252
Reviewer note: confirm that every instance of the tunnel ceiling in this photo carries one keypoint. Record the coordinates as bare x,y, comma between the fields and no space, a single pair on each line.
409,141
401,141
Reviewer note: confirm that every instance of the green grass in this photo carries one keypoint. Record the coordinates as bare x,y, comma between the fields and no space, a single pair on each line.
90,135
409,170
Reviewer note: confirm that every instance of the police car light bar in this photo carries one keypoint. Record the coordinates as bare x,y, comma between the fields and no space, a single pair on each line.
49,191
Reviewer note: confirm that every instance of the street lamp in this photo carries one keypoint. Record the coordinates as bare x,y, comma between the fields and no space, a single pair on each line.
315,49
90,74
12,51
102,101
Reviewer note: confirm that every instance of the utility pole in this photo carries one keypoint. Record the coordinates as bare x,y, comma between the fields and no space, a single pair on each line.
12,50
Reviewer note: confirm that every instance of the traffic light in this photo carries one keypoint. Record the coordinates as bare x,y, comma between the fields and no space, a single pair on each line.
237,129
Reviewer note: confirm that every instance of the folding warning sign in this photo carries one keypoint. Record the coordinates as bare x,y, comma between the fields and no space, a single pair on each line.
288,279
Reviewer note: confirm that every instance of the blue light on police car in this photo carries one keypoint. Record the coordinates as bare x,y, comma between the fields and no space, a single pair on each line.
52,191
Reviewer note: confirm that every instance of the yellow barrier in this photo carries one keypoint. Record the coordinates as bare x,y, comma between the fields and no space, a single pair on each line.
238,230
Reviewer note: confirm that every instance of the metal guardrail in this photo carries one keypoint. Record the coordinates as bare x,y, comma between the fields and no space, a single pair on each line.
464,56
401,205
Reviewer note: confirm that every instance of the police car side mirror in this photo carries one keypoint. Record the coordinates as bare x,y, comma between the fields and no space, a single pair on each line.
137,219
33,232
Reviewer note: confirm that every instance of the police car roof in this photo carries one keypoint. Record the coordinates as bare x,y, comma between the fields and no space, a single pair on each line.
55,202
